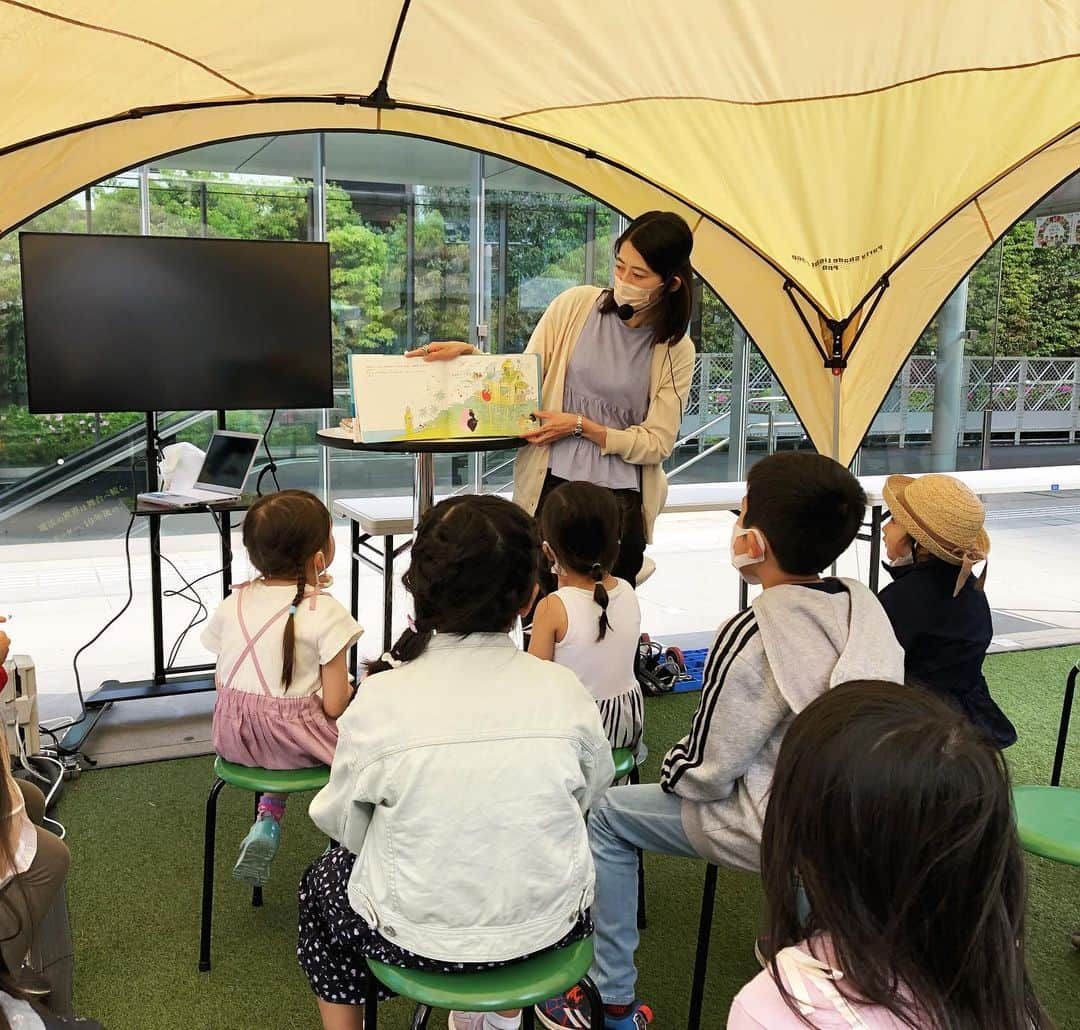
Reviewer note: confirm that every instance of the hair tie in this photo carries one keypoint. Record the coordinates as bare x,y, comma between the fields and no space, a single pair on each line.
389,659
597,571
292,609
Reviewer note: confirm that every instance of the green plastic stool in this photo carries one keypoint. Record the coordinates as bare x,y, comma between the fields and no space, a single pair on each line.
518,986
624,760
260,781
1048,821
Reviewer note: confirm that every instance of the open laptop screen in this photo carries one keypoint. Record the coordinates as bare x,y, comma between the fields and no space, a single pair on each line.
228,461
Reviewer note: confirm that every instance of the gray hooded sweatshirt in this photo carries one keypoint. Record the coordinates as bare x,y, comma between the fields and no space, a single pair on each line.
766,665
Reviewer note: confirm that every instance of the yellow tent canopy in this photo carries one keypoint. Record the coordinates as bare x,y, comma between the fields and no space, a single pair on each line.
843,164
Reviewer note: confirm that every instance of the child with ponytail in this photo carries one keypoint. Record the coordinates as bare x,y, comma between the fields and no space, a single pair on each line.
592,623
281,648
462,774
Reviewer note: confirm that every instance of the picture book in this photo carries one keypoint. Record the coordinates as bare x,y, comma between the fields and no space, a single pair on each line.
398,398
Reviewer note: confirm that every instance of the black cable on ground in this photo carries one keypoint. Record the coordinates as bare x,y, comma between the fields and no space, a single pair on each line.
75,661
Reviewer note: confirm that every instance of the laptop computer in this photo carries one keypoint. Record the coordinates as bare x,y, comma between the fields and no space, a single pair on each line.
225,468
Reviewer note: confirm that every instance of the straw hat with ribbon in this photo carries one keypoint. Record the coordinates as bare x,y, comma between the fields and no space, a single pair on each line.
944,517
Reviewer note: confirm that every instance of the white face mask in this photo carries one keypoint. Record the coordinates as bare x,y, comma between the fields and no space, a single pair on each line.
741,561
638,297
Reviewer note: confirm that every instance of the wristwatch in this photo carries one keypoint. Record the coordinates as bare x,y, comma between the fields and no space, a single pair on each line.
579,427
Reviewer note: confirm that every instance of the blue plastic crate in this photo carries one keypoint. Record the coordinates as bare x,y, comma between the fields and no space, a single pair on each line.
695,666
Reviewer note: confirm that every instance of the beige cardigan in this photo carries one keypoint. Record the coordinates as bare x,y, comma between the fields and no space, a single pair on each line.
647,444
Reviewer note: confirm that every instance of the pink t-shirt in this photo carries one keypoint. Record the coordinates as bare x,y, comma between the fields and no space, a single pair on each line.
813,983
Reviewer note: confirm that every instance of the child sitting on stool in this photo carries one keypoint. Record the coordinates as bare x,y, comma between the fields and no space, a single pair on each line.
895,816
591,624
459,787
281,647
938,609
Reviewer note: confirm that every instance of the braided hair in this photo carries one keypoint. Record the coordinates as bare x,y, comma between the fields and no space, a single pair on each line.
282,532
473,568
581,522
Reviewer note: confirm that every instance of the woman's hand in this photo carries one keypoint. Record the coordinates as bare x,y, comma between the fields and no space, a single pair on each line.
441,351
556,425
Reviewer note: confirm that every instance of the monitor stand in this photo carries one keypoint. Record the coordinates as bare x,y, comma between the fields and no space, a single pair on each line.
167,680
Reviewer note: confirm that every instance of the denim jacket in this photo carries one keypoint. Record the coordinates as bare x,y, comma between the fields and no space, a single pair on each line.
460,782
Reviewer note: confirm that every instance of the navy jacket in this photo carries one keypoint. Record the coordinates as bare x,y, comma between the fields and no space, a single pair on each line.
945,639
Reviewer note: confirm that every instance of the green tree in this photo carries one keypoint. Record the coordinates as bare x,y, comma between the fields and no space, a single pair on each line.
358,263
1040,299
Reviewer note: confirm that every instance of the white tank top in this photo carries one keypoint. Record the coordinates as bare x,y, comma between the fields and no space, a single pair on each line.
606,667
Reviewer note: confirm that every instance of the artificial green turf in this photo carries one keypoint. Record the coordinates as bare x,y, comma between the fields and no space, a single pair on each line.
136,842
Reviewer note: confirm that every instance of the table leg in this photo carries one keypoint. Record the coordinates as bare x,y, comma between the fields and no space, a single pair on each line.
388,592
875,546
744,590
156,603
225,529
423,485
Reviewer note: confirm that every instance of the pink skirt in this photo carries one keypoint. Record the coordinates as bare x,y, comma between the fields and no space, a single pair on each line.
273,732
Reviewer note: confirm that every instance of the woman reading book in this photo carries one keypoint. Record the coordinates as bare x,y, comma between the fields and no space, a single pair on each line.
616,366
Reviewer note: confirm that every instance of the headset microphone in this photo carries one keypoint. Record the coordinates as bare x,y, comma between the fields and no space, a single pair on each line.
625,312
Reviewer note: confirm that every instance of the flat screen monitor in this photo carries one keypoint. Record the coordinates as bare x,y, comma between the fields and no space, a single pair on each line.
141,323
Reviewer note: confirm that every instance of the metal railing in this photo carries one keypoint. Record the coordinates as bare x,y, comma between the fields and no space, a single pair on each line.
1030,397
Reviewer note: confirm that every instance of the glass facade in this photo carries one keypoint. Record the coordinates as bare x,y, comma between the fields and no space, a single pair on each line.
429,242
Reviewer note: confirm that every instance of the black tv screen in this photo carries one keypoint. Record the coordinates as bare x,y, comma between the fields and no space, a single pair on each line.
142,323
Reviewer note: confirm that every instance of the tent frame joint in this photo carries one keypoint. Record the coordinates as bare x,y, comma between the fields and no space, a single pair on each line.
379,98
837,361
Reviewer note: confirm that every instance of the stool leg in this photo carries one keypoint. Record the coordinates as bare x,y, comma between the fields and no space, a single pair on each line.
642,920
419,1018
209,835
596,1003
371,1001
1063,727
256,892
701,958
528,1018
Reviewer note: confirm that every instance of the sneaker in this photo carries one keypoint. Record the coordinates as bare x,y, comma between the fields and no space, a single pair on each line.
257,851
468,1021
572,1010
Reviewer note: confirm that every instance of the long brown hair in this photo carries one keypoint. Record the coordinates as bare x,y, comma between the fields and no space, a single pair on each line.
665,241
895,817
283,531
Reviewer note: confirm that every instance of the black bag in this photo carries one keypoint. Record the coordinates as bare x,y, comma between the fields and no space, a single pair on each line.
658,668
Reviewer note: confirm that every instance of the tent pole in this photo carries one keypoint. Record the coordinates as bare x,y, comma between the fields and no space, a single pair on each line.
836,417
837,374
